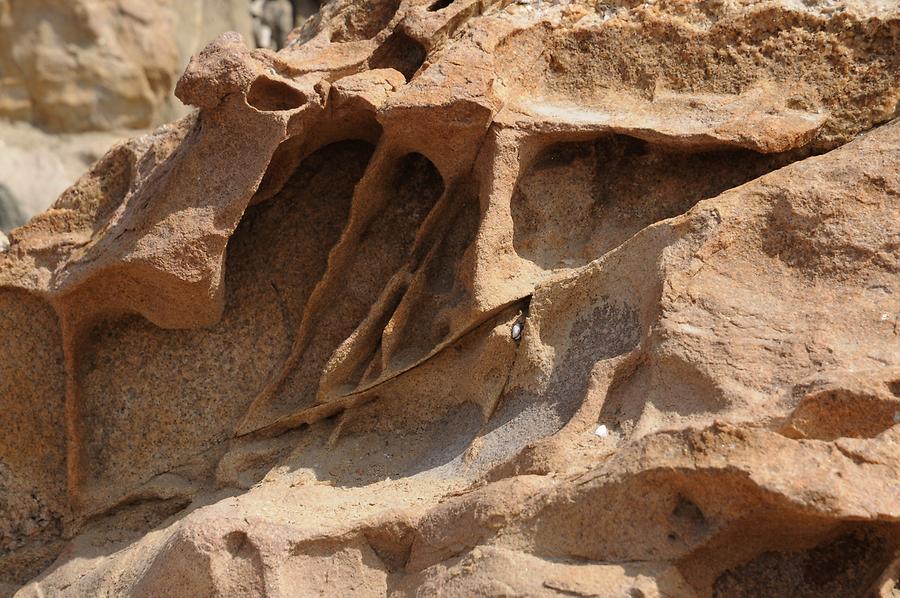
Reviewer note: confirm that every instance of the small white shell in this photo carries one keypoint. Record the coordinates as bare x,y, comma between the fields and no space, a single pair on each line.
602,431
4,243
516,331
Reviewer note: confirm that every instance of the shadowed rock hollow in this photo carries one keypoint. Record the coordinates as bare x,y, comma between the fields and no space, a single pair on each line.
268,349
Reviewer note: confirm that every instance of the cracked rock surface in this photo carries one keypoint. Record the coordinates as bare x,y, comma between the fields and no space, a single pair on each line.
351,327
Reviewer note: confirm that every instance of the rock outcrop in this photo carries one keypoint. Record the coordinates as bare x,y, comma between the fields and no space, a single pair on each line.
476,298
85,65
77,76
10,214
36,166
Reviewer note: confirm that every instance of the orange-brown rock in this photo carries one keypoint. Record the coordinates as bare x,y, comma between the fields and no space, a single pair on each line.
476,298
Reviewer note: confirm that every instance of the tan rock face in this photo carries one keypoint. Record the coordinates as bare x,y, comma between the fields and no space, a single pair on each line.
354,327
73,73
88,65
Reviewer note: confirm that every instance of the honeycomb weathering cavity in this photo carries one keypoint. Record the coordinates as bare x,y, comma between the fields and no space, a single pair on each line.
270,349
270,95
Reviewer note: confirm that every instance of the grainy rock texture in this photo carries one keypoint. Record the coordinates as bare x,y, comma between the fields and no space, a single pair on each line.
268,349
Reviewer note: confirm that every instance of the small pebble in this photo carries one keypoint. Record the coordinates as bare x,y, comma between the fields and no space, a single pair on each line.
516,331
4,242
602,431
897,417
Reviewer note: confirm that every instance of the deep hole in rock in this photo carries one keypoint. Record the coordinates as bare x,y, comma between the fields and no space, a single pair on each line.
422,185
383,243
424,326
578,200
418,185
270,95
400,52
293,150
236,541
845,566
274,259
686,510
440,4
390,237
279,170
894,387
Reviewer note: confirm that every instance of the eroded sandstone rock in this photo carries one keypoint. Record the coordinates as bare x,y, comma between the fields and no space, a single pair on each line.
78,65
268,349
77,76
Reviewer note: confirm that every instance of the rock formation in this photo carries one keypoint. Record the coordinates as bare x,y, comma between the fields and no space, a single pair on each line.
269,349
10,213
36,166
77,76
80,65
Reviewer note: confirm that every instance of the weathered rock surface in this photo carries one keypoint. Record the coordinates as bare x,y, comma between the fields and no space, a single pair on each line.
77,76
89,65
36,167
267,350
